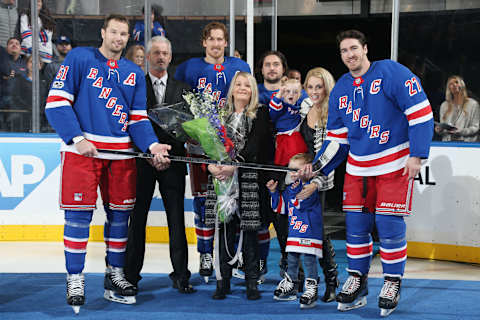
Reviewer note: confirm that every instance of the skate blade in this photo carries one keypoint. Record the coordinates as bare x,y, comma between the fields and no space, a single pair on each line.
238,274
386,312
354,305
76,309
308,306
206,278
290,298
112,296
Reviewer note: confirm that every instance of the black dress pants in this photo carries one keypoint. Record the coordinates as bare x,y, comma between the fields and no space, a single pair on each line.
172,189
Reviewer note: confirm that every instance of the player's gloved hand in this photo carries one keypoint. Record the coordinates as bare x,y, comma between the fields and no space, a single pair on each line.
86,148
160,161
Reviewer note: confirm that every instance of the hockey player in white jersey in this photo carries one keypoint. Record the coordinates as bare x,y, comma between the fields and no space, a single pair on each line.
98,100
380,120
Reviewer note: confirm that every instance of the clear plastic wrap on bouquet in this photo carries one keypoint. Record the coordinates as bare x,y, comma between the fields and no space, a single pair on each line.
227,191
227,197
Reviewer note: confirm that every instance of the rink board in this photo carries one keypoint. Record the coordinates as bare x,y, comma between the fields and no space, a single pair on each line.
445,224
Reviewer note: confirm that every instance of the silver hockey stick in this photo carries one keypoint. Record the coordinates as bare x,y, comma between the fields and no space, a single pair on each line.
247,165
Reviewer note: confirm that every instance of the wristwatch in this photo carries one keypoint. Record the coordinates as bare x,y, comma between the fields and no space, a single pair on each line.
77,139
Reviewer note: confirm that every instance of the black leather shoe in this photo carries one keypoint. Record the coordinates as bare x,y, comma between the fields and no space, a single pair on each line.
252,290
223,288
183,286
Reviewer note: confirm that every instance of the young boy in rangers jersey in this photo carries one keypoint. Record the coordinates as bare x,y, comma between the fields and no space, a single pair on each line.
98,100
212,74
305,234
380,119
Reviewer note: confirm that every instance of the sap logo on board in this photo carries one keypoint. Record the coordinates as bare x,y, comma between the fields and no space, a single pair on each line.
23,167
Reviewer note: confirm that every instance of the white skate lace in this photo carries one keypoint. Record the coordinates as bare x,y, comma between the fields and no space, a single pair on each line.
389,289
310,289
75,285
118,278
351,285
206,261
286,284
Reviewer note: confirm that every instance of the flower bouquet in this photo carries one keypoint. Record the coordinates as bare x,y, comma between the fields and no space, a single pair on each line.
208,129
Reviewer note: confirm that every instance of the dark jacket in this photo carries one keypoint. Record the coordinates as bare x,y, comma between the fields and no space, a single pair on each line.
173,94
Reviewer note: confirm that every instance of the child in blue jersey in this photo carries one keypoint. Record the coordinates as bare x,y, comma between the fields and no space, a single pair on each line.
305,234
285,114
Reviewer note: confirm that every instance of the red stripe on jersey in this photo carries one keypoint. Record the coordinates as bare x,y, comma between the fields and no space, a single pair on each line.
298,244
340,136
137,117
393,255
360,250
116,244
75,244
276,106
57,99
420,113
204,233
112,145
379,161
280,205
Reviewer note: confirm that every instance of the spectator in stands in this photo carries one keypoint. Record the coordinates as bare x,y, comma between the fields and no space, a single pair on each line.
8,20
294,74
458,111
17,63
63,45
157,28
46,26
12,64
19,117
136,54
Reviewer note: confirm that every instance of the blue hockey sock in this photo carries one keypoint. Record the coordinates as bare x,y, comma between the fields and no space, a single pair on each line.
75,238
115,236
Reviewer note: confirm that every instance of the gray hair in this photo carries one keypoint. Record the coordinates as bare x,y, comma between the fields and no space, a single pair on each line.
159,39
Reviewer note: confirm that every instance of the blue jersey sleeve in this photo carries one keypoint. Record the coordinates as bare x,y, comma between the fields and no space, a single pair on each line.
406,90
59,108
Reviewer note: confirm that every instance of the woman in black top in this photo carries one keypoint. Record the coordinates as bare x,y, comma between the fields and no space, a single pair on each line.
248,126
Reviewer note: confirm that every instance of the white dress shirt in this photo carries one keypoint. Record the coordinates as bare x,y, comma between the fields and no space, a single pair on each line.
159,86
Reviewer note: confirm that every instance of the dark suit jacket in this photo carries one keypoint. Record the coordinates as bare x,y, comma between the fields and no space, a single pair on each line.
173,94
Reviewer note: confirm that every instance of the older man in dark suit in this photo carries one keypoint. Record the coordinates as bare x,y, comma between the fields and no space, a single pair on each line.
161,88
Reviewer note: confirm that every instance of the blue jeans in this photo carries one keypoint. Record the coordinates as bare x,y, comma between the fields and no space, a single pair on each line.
309,265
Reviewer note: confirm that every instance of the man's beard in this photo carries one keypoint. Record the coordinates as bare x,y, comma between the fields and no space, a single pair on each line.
272,81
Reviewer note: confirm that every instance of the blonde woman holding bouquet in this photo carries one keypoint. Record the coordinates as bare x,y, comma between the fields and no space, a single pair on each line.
248,126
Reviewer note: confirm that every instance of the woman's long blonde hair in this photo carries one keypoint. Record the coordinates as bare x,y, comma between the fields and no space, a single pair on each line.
449,95
328,83
252,107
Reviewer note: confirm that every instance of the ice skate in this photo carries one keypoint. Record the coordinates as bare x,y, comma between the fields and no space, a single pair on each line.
117,288
310,295
285,290
239,272
354,293
76,291
206,266
389,296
